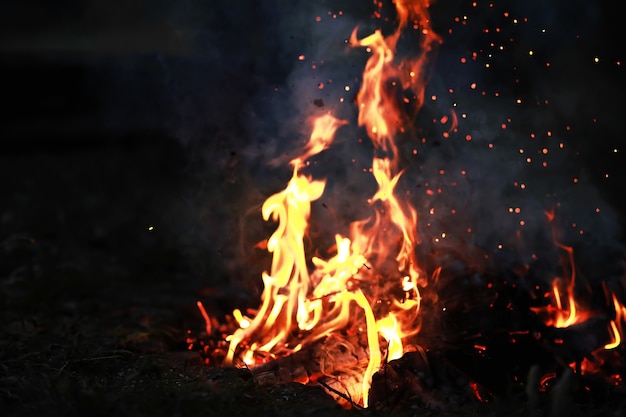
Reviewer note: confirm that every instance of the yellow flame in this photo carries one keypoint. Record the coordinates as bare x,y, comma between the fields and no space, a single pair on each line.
324,128
286,287
388,328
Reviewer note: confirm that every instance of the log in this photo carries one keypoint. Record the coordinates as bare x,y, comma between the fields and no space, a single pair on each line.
424,380
300,366
337,364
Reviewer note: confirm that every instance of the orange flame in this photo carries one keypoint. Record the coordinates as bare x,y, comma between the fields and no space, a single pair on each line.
600,355
564,312
300,306
379,109
616,325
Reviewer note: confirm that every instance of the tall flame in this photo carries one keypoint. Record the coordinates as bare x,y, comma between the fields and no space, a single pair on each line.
379,109
300,307
286,287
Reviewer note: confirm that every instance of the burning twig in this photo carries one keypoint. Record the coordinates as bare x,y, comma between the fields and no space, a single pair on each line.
346,396
299,367
205,315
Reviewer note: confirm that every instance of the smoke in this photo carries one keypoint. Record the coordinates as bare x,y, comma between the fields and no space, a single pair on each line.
236,83
523,119
522,83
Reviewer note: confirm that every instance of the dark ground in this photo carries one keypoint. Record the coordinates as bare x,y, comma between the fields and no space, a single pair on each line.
113,168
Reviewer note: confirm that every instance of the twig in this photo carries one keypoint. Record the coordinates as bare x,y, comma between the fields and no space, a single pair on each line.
345,396
99,358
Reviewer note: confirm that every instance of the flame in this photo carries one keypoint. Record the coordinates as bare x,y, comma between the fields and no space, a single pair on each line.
379,109
569,315
602,356
564,312
616,325
286,287
353,290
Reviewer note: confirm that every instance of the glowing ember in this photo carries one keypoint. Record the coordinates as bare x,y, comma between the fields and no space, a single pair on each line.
342,295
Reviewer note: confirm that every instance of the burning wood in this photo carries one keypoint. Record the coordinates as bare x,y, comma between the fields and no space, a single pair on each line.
299,367
335,364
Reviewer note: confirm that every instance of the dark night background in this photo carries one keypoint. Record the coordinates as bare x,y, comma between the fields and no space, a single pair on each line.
135,137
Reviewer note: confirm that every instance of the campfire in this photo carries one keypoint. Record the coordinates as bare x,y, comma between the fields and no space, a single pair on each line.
379,318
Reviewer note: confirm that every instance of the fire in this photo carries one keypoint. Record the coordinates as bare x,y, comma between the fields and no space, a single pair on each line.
602,355
565,310
348,293
379,109
616,324
287,285
361,306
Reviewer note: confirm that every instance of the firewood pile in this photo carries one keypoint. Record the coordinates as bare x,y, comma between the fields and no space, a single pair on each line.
479,342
